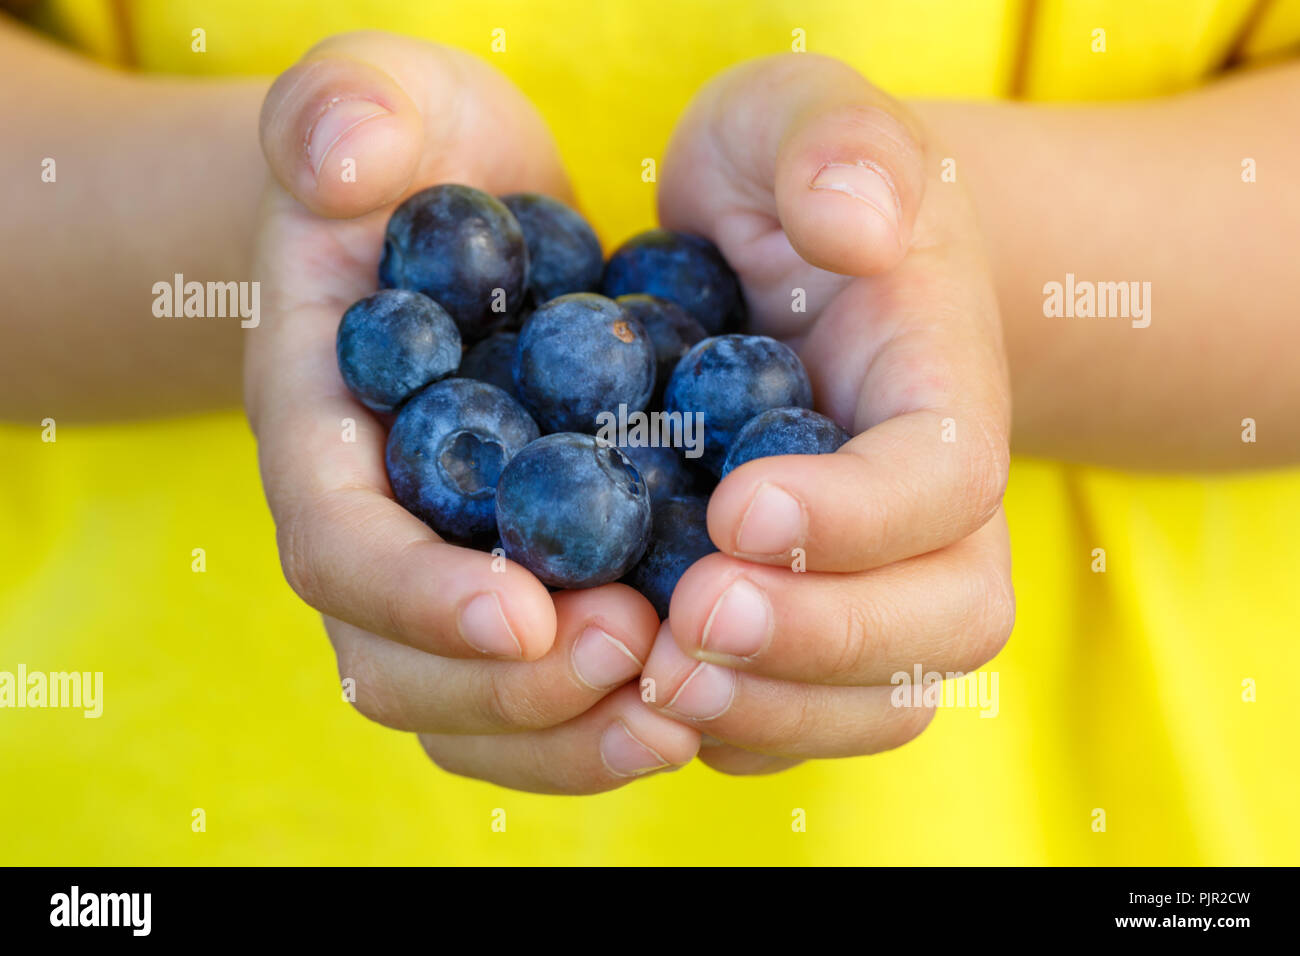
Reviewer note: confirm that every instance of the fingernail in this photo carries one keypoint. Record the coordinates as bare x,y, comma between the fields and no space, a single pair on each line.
773,523
484,627
740,623
602,661
625,756
339,117
865,182
706,694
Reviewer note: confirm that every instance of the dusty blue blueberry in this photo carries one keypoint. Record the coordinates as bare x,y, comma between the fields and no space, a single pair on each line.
730,379
680,267
447,450
393,343
463,249
661,468
784,431
573,510
492,361
679,537
563,252
581,355
672,332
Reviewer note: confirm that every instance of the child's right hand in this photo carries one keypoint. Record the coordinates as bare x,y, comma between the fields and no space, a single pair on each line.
502,680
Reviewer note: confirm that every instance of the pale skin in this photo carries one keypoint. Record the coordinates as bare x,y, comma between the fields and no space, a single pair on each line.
912,286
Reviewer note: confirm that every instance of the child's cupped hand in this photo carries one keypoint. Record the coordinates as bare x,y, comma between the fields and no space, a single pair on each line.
829,201
502,680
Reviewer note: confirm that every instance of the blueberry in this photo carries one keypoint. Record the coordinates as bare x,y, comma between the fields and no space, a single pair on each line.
730,379
447,450
661,468
463,249
492,361
784,431
679,537
580,355
685,269
393,343
573,510
563,252
671,331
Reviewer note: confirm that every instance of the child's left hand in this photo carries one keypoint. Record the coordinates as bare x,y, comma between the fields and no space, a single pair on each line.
810,179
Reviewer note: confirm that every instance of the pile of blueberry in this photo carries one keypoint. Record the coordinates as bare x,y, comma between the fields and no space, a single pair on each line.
508,349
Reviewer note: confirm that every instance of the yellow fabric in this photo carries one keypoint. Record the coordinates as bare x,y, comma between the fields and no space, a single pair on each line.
1120,691
1116,50
1276,31
88,25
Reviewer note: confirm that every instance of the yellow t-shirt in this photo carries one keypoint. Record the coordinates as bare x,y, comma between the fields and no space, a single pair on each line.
1151,696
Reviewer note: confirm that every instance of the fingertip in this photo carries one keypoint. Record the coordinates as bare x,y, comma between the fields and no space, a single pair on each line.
756,512
498,609
528,609
676,743
340,135
634,606
666,669
726,505
369,165
848,183
694,598
622,620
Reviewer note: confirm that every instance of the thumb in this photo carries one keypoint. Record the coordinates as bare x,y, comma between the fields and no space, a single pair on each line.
364,118
806,140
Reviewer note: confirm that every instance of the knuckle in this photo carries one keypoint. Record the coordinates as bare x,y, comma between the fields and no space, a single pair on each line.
797,725
400,612
293,541
992,617
568,776
445,759
507,707
855,651
990,470
907,724
399,606
530,770
1000,614
375,698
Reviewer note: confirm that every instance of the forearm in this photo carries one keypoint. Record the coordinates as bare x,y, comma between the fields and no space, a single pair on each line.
1146,192
151,177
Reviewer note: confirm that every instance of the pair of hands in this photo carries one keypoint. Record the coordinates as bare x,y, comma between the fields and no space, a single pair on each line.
807,178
